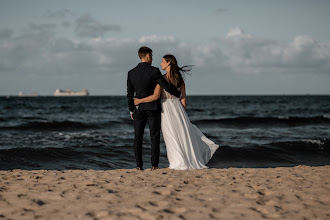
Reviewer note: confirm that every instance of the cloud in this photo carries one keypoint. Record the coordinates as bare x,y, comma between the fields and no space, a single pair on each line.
251,54
6,33
221,10
60,13
45,28
87,26
66,24
156,38
42,55
48,61
237,33
238,53
51,61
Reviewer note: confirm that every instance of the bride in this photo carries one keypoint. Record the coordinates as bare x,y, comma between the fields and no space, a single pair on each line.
186,146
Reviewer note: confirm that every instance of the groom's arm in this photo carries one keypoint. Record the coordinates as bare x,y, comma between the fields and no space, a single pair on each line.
130,95
167,86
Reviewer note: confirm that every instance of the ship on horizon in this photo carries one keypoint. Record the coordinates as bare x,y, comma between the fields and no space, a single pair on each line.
69,92
21,94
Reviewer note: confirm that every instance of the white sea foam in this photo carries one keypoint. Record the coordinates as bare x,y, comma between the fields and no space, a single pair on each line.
319,142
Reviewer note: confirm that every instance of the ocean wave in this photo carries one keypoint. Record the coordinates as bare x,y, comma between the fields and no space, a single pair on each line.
305,145
281,121
18,118
302,152
51,126
291,153
54,158
319,142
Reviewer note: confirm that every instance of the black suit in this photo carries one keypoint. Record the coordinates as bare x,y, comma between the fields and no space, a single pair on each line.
141,82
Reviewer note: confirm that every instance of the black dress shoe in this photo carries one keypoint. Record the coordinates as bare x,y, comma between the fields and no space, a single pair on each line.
155,168
138,168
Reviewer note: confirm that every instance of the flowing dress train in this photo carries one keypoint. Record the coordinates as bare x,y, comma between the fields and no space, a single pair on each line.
187,147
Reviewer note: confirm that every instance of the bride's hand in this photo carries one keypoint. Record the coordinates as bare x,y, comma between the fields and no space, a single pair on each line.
136,101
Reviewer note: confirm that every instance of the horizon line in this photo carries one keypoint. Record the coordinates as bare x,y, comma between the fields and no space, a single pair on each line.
274,94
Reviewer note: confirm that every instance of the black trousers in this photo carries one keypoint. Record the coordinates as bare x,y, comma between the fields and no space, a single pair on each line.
140,119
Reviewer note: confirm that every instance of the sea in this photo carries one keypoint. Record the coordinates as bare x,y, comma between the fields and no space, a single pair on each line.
96,132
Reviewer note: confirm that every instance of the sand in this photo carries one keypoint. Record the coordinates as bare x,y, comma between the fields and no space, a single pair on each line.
300,192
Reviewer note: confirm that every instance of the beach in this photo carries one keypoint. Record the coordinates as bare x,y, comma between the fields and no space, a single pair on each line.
300,192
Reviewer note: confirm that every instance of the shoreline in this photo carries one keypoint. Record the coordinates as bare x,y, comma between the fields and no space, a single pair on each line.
198,95
301,192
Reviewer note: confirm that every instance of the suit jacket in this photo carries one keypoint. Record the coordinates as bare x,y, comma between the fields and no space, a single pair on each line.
141,82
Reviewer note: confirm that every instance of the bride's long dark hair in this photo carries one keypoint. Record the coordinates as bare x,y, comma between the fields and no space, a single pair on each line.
176,72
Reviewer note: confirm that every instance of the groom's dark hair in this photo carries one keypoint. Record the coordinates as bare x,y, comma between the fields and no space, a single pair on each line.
143,51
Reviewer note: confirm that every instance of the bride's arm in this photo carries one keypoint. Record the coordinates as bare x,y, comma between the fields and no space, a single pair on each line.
183,95
150,98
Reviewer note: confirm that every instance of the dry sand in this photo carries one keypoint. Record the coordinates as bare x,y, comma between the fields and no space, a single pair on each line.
236,193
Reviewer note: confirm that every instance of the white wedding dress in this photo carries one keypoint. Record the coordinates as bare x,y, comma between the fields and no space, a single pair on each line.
186,146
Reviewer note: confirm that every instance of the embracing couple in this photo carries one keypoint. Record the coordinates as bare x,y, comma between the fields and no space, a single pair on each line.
160,101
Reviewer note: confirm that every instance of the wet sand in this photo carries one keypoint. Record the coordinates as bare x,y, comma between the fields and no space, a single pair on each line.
300,192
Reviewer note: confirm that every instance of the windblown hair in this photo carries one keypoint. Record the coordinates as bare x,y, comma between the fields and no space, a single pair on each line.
176,72
143,51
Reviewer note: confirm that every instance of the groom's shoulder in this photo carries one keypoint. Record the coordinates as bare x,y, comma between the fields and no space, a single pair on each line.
144,68
134,70
154,68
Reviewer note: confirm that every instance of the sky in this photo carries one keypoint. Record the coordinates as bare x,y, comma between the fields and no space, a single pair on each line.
237,47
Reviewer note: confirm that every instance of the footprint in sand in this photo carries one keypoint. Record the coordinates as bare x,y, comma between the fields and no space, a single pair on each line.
164,193
39,202
178,210
159,203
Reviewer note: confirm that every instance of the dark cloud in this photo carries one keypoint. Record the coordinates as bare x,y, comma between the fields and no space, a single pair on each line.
87,26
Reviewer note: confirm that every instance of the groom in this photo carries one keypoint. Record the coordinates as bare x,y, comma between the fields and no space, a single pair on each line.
141,82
